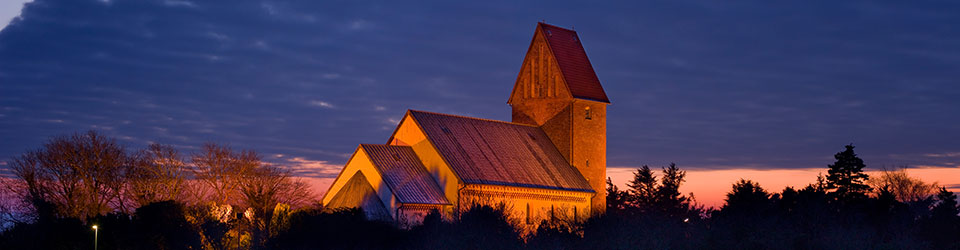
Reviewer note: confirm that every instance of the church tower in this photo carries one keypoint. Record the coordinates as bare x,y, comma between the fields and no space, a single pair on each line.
558,91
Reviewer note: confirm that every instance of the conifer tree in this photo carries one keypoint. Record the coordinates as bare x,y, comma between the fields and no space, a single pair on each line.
643,188
845,178
947,208
668,195
616,199
747,196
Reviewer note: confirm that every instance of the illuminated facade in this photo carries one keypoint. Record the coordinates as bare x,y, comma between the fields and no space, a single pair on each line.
548,163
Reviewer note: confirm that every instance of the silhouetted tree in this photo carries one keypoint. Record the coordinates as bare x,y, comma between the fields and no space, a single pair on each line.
553,235
749,219
220,170
943,226
902,186
646,194
262,189
163,225
845,178
79,176
647,230
486,227
643,189
747,196
53,234
946,207
215,233
788,199
616,199
668,195
338,229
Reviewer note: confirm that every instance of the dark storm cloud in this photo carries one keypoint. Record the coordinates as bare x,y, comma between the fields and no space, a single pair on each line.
703,84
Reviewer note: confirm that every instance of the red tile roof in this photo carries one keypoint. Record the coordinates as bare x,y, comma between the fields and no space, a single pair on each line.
574,64
494,152
405,174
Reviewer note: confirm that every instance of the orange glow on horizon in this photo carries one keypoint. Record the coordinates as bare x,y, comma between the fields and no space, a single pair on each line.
710,186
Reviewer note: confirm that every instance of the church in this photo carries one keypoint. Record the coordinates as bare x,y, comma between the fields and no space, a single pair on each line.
548,163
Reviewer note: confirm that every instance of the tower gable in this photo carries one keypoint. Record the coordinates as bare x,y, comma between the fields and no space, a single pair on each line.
556,66
539,76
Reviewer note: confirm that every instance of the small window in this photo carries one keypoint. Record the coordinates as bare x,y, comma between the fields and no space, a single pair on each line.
553,217
575,214
528,214
588,115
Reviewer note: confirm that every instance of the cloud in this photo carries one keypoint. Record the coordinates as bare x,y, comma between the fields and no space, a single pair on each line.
359,24
309,168
942,155
331,76
323,104
179,3
10,10
261,44
218,36
270,8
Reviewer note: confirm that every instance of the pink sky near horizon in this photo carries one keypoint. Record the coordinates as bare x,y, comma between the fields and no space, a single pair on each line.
710,186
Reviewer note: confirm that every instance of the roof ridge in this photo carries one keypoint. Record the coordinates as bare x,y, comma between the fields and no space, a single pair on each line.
555,26
474,118
388,145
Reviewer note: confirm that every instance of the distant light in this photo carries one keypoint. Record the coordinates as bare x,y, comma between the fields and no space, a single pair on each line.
685,220
94,227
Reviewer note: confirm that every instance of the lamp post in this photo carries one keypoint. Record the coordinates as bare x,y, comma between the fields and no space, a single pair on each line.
96,233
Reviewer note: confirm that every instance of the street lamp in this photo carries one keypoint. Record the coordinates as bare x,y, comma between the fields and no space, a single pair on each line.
96,233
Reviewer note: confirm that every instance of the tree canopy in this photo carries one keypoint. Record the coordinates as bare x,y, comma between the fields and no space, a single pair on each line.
845,177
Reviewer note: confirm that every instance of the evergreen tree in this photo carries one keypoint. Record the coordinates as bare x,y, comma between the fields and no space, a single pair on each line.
643,188
616,199
747,196
846,178
947,207
668,195
943,226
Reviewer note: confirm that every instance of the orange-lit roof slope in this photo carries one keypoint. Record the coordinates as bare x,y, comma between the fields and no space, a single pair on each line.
501,153
405,174
574,64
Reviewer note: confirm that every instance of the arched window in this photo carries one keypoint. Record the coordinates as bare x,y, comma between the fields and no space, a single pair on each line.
528,214
588,115
575,213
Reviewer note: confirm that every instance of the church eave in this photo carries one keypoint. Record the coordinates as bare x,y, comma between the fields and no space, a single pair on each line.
509,184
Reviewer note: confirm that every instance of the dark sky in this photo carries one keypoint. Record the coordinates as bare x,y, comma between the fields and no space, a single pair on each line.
706,84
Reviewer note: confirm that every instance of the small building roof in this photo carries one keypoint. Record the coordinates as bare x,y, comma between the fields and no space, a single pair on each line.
358,192
484,151
574,64
405,174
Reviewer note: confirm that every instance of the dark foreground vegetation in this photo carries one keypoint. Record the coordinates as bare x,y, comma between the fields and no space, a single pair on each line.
846,209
